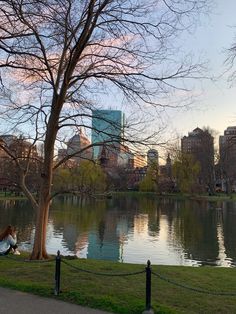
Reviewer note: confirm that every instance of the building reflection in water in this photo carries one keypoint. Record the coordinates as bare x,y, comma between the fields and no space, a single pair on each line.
222,259
81,245
134,230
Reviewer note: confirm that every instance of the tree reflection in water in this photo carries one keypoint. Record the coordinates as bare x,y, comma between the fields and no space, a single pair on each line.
133,229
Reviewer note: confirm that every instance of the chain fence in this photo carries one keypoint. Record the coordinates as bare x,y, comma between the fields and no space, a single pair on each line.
60,260
210,292
148,271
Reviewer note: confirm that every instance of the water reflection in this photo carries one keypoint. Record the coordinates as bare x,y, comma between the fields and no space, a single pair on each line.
133,229
20,214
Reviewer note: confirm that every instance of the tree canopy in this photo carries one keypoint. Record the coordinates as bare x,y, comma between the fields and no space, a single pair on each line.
59,59
186,171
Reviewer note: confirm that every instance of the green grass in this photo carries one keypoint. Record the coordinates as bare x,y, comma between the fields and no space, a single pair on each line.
177,196
180,196
124,295
11,196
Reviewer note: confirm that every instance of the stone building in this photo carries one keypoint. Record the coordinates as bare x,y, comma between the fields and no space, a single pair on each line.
227,162
25,154
77,148
200,144
152,157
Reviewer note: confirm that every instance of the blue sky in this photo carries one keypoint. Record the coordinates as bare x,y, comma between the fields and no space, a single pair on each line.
216,105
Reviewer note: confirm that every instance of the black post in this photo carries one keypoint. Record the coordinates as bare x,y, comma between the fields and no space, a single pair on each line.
148,286
57,274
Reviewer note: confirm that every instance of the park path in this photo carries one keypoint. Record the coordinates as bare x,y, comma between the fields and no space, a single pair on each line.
12,302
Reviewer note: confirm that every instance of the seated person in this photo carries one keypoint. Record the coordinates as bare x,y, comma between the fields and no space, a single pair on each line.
8,241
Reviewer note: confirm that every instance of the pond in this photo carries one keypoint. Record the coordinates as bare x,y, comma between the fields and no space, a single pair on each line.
133,229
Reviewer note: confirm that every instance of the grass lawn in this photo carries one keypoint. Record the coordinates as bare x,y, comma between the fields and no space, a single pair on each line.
177,196
181,196
123,294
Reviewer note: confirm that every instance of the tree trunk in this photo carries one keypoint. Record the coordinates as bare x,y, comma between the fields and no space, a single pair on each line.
39,248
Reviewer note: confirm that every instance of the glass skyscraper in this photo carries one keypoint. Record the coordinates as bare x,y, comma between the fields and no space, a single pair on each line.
107,127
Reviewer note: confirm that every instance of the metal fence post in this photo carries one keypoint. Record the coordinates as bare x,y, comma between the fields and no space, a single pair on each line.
57,273
148,286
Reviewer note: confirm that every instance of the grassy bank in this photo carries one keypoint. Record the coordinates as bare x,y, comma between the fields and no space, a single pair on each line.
124,295
176,196
180,196
11,196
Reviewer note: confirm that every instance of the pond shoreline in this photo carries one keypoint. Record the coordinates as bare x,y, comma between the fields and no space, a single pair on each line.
110,194
179,196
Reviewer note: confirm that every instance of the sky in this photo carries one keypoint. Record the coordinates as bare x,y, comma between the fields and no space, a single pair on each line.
215,106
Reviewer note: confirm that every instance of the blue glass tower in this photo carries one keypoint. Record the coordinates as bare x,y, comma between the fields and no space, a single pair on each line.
107,127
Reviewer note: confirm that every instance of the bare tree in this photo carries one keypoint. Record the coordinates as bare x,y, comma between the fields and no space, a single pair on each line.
57,58
230,61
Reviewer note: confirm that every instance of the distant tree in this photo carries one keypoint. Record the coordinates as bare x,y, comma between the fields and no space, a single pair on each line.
57,57
207,156
87,178
147,184
62,180
150,182
226,165
18,156
230,61
90,178
228,151
117,178
186,173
